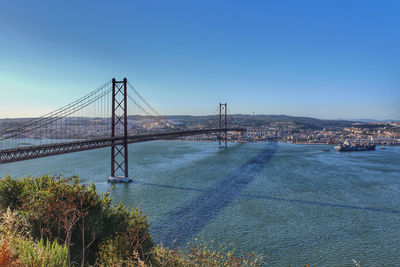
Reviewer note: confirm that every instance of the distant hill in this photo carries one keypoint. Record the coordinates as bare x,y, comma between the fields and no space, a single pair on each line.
302,122
246,120
372,120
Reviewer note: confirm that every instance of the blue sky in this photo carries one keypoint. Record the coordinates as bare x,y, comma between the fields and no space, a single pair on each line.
324,59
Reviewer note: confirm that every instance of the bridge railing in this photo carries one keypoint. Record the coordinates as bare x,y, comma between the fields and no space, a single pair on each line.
31,152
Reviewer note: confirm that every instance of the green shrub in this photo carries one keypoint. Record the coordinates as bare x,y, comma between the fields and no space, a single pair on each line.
17,243
62,210
10,193
118,251
40,254
200,253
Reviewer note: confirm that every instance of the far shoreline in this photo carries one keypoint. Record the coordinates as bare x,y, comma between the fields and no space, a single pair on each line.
278,141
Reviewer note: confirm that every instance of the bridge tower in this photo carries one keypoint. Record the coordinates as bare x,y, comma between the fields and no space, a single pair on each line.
119,128
223,125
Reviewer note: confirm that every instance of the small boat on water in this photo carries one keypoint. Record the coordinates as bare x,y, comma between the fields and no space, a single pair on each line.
382,147
354,146
326,150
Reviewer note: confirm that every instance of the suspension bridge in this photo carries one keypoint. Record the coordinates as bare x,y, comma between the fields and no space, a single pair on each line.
113,115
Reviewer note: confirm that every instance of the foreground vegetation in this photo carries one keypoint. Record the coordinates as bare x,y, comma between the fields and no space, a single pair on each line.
53,221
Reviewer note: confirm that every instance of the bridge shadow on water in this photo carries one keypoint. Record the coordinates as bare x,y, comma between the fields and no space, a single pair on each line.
183,223
186,221
297,201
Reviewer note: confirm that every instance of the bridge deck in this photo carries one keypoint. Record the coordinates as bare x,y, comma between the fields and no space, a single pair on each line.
32,152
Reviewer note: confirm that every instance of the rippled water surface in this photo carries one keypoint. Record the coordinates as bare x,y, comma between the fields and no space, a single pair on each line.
295,204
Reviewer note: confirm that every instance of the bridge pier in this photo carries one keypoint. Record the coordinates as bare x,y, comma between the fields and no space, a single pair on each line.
223,125
119,118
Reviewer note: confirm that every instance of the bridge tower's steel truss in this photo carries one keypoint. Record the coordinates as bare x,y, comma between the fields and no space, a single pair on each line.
223,126
119,119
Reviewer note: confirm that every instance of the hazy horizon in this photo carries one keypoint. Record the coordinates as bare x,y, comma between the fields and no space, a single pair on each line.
245,114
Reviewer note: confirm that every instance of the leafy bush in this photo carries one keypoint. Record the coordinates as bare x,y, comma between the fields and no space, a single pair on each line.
18,249
63,211
118,251
10,193
200,253
40,254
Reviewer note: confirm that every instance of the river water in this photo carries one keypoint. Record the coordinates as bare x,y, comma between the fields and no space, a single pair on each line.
295,204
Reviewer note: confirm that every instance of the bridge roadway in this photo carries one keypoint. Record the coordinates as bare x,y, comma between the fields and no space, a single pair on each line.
33,152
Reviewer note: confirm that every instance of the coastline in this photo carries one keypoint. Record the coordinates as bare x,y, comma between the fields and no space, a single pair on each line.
263,141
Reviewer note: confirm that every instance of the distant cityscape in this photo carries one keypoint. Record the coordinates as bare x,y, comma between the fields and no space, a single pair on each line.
260,128
303,130
387,133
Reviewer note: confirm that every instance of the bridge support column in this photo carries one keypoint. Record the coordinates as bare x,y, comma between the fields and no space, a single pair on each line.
223,126
119,127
